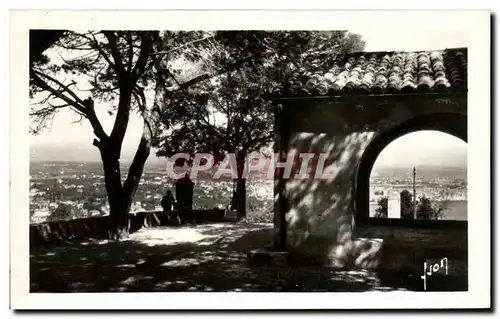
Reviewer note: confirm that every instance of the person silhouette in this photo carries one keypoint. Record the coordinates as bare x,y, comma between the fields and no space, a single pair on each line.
167,202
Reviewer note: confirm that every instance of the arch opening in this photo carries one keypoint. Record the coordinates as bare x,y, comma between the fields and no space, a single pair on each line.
413,178
452,127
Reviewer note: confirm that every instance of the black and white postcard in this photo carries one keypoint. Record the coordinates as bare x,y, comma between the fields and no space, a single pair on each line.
197,159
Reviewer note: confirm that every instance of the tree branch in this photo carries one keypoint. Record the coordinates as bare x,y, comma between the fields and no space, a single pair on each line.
94,121
150,129
142,60
137,167
184,45
127,84
60,106
101,51
197,119
77,103
122,117
84,108
130,52
115,53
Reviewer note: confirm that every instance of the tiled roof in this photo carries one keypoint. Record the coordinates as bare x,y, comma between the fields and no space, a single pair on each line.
384,73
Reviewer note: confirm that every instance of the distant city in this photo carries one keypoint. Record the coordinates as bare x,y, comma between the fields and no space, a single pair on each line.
447,185
79,186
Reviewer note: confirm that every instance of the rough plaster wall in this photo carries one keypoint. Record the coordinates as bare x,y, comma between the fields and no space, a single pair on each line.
321,211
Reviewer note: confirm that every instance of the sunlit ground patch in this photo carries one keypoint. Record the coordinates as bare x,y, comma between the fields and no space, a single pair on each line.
169,236
183,262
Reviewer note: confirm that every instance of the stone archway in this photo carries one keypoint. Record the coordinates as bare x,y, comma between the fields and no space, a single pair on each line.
450,123
351,125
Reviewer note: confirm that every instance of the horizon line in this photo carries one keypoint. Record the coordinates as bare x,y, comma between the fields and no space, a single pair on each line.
130,160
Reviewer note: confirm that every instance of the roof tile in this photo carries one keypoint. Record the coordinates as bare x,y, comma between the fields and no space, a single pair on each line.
384,72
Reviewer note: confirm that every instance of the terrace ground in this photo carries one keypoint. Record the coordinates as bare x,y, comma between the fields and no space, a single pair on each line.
203,258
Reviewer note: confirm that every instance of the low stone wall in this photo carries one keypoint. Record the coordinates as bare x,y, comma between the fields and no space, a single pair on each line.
60,231
395,255
53,233
383,247
408,248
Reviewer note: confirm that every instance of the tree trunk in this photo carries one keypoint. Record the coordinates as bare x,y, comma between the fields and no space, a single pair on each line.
119,209
241,186
241,197
120,197
119,203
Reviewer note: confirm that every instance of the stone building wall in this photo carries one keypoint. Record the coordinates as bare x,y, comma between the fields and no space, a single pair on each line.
321,214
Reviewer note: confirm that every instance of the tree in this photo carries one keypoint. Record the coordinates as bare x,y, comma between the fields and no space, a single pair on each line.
119,67
246,127
65,212
427,210
148,203
61,212
406,205
245,66
381,210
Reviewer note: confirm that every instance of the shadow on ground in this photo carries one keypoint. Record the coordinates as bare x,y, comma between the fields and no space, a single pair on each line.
201,258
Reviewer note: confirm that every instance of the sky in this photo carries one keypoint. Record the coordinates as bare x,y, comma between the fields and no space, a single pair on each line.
54,144
449,151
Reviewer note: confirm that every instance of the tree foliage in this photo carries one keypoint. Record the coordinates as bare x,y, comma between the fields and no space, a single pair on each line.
41,40
381,210
65,212
426,209
229,108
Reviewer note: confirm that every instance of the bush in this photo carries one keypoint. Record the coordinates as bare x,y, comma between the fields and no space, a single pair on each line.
425,208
